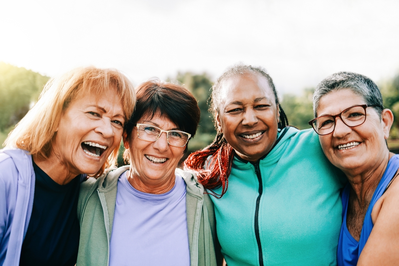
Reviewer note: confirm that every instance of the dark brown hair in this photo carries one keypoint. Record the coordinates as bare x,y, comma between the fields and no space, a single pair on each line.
171,100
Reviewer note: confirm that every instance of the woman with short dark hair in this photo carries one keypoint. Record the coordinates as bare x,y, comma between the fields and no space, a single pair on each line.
150,213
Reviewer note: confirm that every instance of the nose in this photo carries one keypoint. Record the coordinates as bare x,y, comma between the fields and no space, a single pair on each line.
161,143
341,129
105,129
250,117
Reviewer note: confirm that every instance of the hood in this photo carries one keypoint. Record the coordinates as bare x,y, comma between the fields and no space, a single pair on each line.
22,161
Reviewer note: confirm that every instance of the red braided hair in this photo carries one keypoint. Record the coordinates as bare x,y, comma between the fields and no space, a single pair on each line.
212,164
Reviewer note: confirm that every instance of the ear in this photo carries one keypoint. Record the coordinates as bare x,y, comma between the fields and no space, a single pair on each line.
387,121
278,112
125,141
218,123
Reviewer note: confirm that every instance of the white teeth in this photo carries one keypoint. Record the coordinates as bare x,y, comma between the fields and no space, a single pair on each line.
93,154
156,160
252,136
93,144
348,145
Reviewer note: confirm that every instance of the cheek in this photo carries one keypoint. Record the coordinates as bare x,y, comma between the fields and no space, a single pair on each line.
325,143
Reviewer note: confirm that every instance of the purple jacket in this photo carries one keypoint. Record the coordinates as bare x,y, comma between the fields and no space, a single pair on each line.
17,186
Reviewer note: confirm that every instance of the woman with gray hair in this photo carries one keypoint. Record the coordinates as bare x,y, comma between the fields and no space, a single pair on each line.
353,127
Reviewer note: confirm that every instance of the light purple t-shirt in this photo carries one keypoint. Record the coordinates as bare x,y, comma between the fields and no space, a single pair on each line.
149,229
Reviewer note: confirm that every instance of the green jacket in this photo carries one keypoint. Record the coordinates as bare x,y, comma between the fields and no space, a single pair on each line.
96,209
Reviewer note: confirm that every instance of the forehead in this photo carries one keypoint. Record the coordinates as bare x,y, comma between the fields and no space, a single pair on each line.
338,100
246,87
158,119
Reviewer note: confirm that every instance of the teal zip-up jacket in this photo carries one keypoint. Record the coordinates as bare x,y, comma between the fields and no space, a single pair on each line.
96,209
284,209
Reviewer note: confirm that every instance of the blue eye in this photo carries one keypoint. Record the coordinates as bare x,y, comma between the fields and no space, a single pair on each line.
175,134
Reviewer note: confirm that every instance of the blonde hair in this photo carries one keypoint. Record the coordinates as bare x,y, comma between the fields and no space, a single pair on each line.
36,130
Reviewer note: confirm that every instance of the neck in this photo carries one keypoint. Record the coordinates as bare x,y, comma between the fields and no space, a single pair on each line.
149,186
55,169
365,183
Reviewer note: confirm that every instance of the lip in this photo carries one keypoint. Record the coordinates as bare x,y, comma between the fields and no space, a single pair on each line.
254,135
155,159
348,145
94,149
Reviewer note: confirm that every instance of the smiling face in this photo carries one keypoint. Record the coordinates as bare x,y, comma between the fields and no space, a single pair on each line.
359,149
89,130
154,163
248,115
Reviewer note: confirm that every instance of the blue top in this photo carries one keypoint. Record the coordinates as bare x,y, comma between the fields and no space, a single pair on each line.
348,248
17,185
284,210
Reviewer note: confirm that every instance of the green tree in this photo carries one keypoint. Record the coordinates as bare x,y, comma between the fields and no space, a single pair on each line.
199,85
390,95
299,108
19,89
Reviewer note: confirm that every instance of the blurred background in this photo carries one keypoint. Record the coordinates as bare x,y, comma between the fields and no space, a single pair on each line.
192,42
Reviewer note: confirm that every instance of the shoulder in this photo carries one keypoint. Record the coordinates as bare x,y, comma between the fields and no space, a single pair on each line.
192,185
14,164
108,179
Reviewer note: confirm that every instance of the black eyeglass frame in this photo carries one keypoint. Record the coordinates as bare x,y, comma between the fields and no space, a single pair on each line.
312,122
161,131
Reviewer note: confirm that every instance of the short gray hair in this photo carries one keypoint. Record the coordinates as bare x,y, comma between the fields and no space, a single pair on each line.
359,84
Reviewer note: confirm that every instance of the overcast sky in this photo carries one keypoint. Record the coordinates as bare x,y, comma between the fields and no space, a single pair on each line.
298,42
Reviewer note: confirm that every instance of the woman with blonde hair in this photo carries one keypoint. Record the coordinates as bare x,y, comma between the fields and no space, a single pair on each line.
73,130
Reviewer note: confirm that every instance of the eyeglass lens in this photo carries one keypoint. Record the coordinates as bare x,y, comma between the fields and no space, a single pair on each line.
152,133
352,117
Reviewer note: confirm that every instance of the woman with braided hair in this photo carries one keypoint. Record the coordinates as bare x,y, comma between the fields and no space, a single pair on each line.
276,196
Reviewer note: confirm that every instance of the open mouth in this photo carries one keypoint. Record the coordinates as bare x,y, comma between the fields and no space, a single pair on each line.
93,149
252,136
156,160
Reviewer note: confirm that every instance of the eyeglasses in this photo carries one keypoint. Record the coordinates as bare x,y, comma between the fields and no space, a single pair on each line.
152,133
352,117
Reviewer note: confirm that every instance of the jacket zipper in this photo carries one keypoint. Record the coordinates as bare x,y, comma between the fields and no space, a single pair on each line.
260,191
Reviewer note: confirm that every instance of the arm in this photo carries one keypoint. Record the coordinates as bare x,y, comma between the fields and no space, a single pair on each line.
383,244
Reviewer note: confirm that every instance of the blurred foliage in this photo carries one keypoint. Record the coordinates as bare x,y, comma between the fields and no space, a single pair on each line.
19,89
299,109
200,86
390,95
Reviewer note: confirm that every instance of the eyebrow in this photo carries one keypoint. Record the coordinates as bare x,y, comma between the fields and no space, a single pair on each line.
155,124
256,100
105,111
